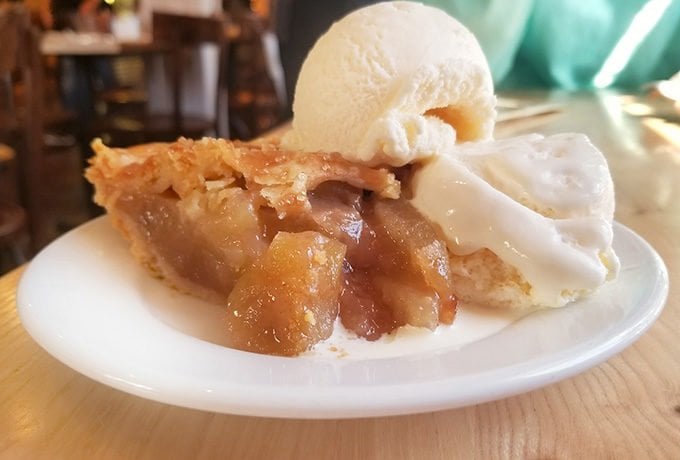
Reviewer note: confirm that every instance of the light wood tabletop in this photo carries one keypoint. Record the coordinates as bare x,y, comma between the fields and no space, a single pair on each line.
627,407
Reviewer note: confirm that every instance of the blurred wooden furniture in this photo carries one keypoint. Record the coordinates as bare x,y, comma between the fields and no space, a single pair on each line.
13,221
182,34
21,119
86,46
627,407
84,50
249,72
175,36
9,190
13,235
255,77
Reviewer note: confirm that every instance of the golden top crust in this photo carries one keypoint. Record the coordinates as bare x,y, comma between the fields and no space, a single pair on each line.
281,177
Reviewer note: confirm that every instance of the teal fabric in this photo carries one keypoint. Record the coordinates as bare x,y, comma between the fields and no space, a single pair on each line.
566,43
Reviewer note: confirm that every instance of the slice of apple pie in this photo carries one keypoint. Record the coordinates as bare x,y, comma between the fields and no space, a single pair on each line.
288,242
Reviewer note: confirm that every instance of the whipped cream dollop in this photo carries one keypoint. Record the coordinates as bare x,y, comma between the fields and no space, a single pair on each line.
392,83
543,205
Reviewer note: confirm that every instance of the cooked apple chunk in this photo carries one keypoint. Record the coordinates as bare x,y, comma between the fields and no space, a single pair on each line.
288,300
413,265
362,309
200,244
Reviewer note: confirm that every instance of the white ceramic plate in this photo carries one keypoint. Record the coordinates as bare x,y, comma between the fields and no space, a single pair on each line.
88,304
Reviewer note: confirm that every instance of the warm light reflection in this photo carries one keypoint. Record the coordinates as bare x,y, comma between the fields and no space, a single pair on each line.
638,109
129,382
669,89
261,7
670,132
26,424
627,136
641,25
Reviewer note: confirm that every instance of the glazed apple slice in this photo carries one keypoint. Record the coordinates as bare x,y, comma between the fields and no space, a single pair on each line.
362,309
288,300
413,272
201,244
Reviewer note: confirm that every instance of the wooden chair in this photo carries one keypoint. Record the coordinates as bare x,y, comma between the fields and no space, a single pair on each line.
21,122
256,98
8,176
13,220
179,36
13,236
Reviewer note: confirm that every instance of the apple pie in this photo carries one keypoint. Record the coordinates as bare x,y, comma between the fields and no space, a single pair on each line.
288,242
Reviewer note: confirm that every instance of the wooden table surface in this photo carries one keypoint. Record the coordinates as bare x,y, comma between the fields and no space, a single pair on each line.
68,43
628,407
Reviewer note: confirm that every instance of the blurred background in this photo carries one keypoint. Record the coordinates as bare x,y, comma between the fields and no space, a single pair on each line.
133,71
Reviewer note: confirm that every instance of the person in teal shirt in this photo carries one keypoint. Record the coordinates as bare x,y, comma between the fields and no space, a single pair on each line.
574,44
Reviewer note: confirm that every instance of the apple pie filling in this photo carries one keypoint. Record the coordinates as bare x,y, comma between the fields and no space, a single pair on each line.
287,242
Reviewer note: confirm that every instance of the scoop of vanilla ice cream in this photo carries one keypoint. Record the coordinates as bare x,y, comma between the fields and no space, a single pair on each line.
392,83
528,220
